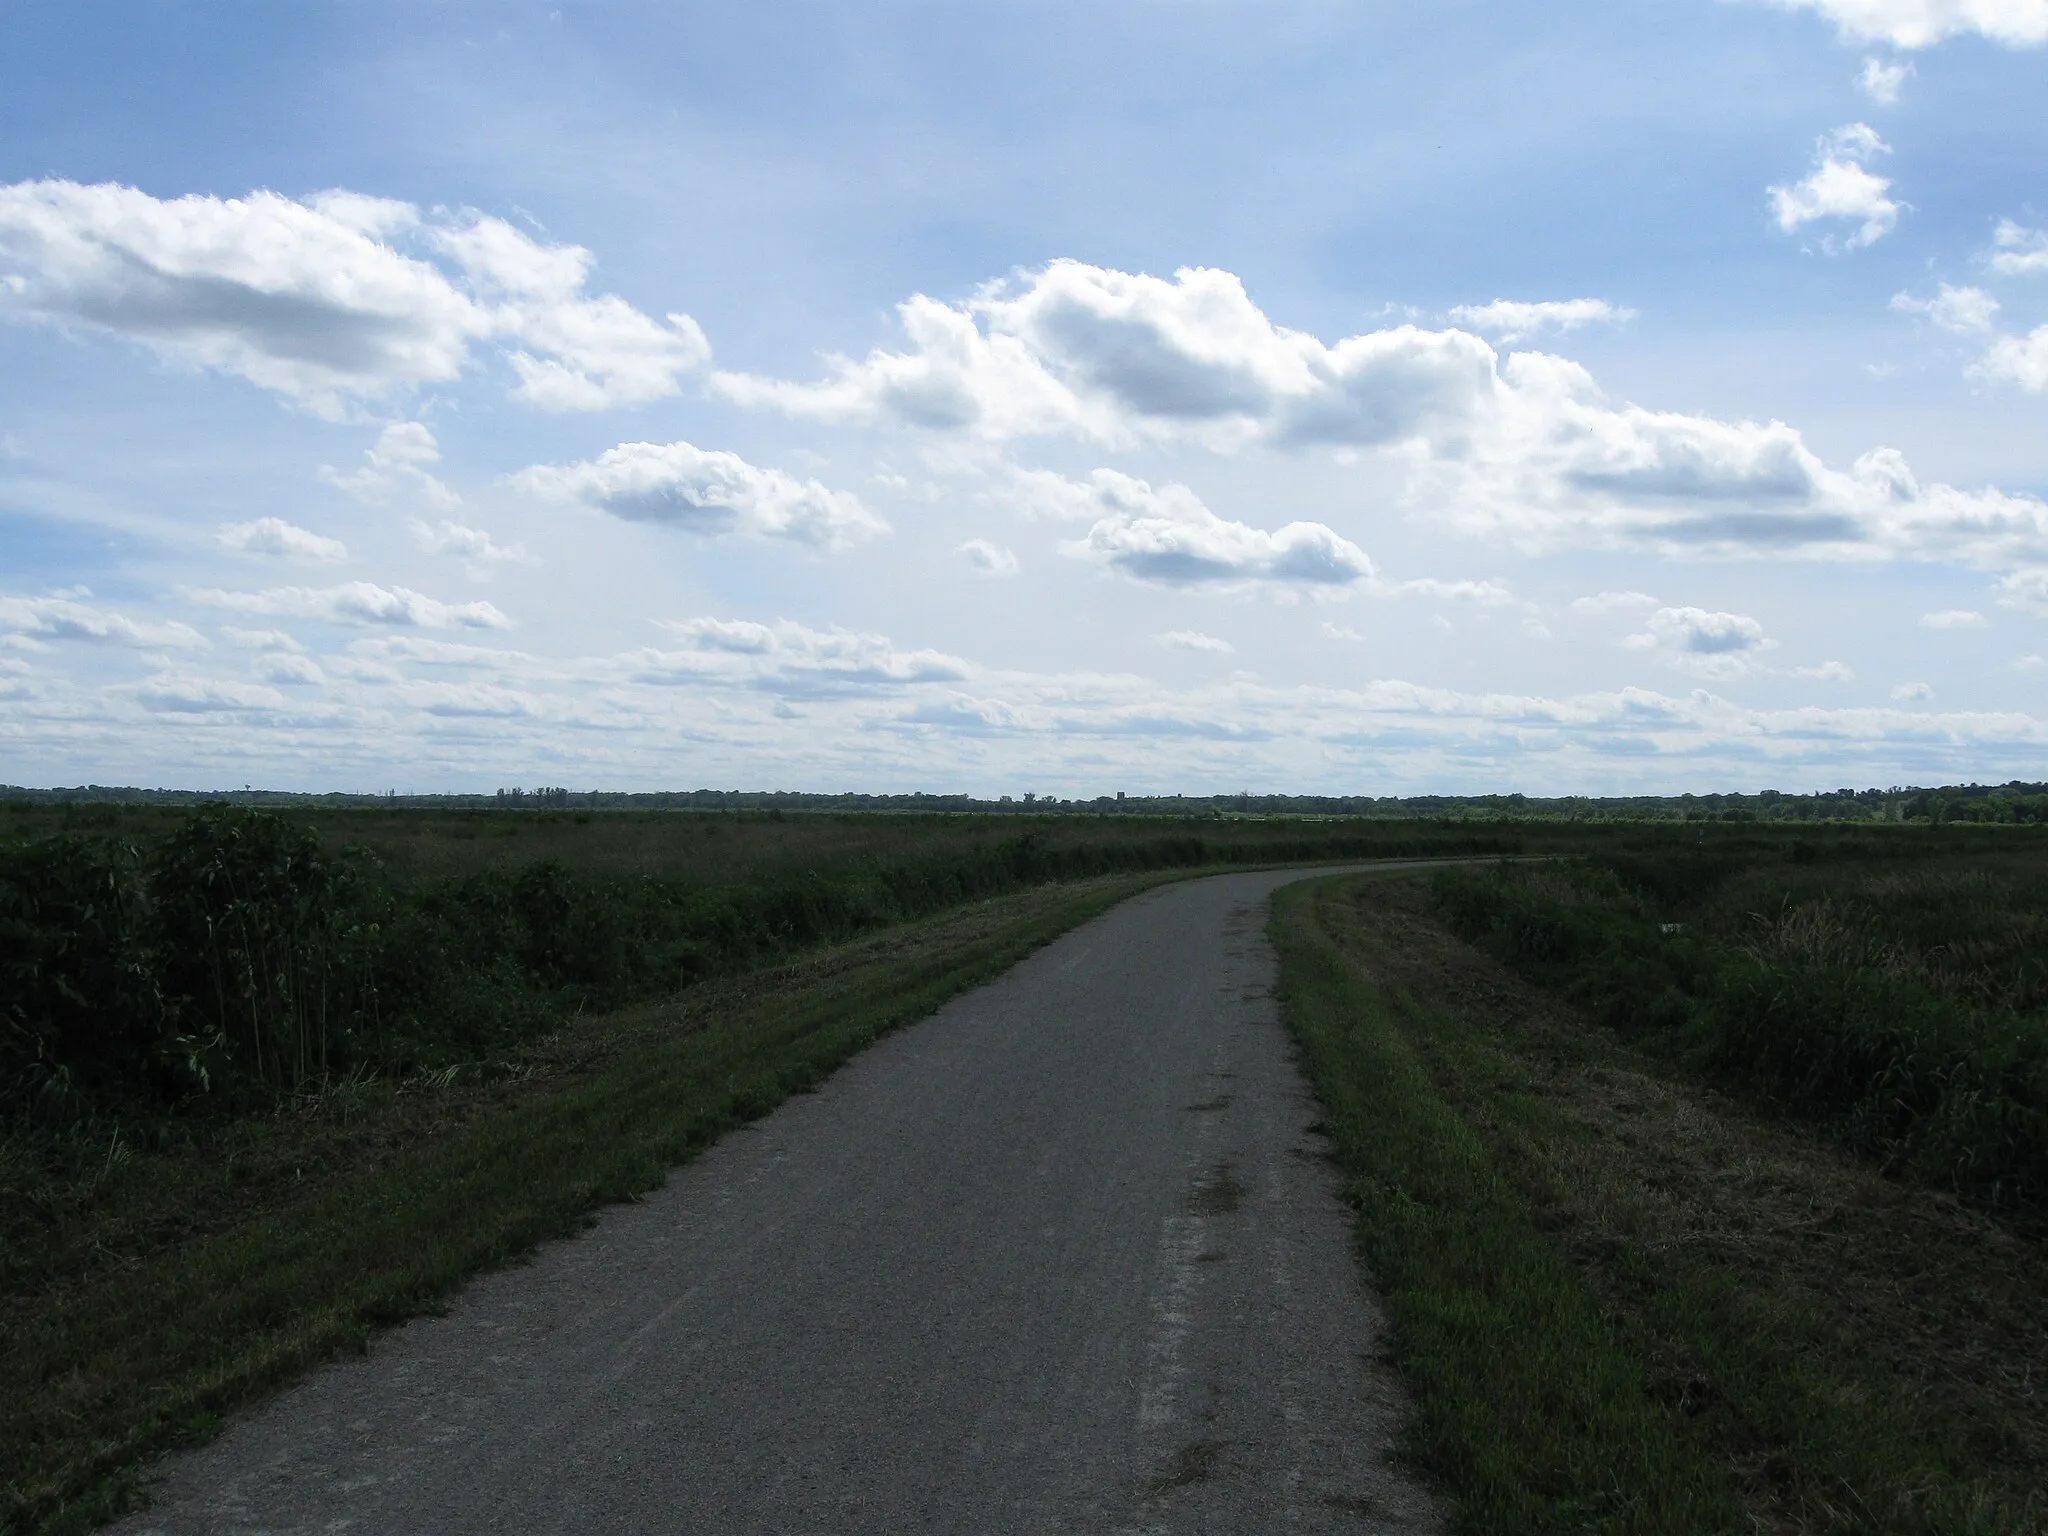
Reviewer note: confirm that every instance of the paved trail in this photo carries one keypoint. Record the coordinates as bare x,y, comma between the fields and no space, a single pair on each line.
1065,1257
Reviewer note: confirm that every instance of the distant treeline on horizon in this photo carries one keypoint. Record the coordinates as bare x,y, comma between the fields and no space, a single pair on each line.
2016,801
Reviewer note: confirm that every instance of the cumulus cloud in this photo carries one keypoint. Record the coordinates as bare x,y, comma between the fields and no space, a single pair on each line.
397,462
706,492
2026,589
1078,350
473,544
275,536
1524,447
1911,692
62,618
177,693
2021,360
358,602
1610,602
1558,466
437,653
791,658
1954,618
261,639
1964,310
1923,23
1701,633
1195,640
1484,594
574,352
988,558
334,300
1511,320
1166,535
1717,645
1841,186
2017,251
1826,672
290,670
1883,79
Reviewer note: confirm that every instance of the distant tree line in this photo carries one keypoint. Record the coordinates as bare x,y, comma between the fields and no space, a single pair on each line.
2014,802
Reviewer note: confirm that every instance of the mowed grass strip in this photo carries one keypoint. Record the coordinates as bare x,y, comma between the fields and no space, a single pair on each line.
114,1376
1532,1408
1843,1352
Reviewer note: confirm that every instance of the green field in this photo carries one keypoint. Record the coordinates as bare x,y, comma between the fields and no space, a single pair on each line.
1701,1183
1700,1162
274,1080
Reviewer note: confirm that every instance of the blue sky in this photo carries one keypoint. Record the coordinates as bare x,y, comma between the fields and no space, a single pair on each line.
1160,397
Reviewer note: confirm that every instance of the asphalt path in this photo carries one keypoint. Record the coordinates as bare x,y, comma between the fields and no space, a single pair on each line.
1067,1256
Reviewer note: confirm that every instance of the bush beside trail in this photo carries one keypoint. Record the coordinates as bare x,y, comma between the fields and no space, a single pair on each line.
1904,1008
237,959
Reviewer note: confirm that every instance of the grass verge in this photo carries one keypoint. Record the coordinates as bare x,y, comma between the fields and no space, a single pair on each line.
1531,1409
1627,1303
124,1365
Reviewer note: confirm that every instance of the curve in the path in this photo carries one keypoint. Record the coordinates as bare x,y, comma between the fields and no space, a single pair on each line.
1065,1257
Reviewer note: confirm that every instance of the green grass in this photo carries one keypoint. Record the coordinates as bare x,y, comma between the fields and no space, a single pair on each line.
119,1370
1904,1007
1531,1408
1626,1305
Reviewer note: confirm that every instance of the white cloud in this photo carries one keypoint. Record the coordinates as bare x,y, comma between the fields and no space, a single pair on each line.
1826,672
178,693
2021,360
330,301
989,558
1524,448
358,602
1883,79
1701,633
473,544
1558,466
1954,618
1912,692
1716,645
1964,310
1511,320
2017,251
27,622
397,461
1110,356
275,536
1342,632
1922,23
1484,594
705,492
1195,640
2026,589
261,639
1610,602
439,653
1166,535
61,618
292,671
1841,186
594,353
790,658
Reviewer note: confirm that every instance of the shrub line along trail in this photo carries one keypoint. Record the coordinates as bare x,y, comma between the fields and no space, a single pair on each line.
1067,1256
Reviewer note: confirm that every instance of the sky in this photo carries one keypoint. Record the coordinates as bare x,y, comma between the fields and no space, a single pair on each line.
1174,397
